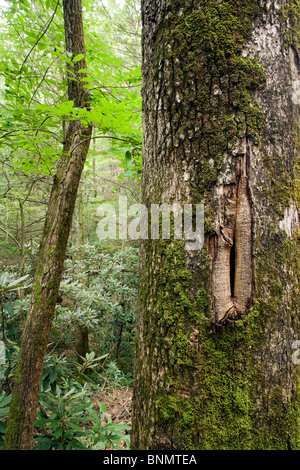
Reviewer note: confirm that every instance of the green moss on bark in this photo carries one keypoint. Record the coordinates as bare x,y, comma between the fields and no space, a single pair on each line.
202,386
205,48
291,20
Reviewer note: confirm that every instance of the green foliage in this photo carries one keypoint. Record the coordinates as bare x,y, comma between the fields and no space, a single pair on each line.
8,283
103,298
99,294
106,434
99,287
36,112
4,409
63,428
67,421
54,371
89,363
67,417
10,324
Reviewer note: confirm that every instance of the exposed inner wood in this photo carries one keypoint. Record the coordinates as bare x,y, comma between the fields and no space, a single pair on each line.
232,260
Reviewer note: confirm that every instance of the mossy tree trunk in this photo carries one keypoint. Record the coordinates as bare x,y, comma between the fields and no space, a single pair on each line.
215,328
20,425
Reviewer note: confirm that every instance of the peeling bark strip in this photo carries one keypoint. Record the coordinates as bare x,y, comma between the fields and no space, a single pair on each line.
232,265
20,425
215,327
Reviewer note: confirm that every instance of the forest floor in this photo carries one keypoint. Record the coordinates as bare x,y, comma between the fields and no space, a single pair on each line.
118,402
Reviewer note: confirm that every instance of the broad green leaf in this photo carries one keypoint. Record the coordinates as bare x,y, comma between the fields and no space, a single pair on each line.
8,308
87,79
78,57
4,412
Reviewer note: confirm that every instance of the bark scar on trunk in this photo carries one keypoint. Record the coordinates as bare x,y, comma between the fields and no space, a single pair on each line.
232,255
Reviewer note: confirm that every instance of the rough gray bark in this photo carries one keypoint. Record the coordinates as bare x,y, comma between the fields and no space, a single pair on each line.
221,127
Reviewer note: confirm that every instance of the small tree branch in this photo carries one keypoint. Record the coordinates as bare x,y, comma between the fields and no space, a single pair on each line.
39,38
11,236
98,137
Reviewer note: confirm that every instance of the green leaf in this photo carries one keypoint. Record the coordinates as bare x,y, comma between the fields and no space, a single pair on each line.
58,432
102,407
4,412
78,57
17,282
128,159
4,400
53,375
2,428
87,79
8,308
11,329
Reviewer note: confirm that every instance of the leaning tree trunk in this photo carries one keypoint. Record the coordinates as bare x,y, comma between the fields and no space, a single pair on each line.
215,329
20,425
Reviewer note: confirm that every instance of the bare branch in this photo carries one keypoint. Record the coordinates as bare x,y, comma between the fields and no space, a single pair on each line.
11,236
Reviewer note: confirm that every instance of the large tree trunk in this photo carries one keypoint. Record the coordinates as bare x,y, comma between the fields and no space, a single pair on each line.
20,426
216,326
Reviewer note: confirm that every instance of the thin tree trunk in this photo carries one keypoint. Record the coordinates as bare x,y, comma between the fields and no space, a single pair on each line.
95,168
77,237
119,342
20,425
22,246
82,346
215,327
77,231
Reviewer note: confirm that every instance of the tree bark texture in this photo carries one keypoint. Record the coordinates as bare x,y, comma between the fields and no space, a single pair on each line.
215,327
20,425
